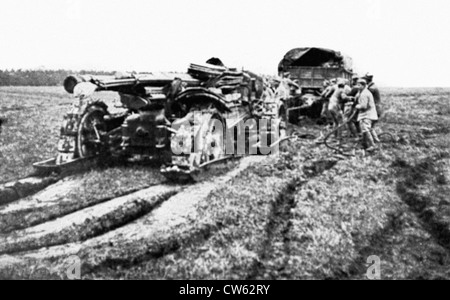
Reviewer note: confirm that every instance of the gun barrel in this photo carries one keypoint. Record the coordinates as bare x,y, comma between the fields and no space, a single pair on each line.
117,82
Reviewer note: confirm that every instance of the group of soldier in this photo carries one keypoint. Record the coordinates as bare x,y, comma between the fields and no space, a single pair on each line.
357,103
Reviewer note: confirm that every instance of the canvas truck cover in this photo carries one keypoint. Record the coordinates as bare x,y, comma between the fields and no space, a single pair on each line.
315,57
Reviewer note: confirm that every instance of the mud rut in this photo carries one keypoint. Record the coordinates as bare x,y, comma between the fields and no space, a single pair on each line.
45,229
276,244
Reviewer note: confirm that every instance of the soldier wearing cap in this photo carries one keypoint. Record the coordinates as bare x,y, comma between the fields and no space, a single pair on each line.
330,89
340,93
367,114
372,87
279,88
337,101
349,107
326,90
274,84
355,91
293,85
1,123
375,92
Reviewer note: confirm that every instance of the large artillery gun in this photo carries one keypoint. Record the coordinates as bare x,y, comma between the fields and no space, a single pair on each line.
183,121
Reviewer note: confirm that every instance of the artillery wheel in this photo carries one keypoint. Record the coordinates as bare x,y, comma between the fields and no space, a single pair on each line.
212,142
92,123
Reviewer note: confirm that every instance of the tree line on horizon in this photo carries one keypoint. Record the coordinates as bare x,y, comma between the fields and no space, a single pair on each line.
40,77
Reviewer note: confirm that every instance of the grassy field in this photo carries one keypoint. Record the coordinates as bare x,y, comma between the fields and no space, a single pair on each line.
304,214
34,116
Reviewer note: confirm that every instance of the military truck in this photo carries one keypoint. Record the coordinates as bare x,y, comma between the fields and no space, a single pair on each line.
309,68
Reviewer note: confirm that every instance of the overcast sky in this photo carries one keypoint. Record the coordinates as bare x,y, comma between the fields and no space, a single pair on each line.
404,43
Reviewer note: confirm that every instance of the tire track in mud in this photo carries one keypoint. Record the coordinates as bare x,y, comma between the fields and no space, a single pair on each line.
410,178
425,207
40,180
89,222
159,232
277,241
377,243
36,209
53,202
13,191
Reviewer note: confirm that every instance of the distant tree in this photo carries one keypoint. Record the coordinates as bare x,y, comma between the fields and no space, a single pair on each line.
40,77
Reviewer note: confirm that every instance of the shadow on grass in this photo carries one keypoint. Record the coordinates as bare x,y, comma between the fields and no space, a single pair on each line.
411,179
425,207
378,244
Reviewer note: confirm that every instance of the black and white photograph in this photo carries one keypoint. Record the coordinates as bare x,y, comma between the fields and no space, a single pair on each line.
224,146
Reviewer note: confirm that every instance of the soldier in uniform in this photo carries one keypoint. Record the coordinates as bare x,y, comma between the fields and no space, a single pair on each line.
326,88
349,108
329,91
354,91
337,100
372,87
325,98
347,88
367,114
280,88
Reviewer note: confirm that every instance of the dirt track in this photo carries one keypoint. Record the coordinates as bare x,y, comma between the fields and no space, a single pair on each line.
44,230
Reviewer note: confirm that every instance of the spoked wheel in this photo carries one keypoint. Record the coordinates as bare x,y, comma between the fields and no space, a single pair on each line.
209,141
92,123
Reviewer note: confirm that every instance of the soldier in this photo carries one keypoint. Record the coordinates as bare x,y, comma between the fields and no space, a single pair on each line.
377,98
332,89
280,89
354,91
291,85
350,107
334,107
347,88
367,114
375,92
327,88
